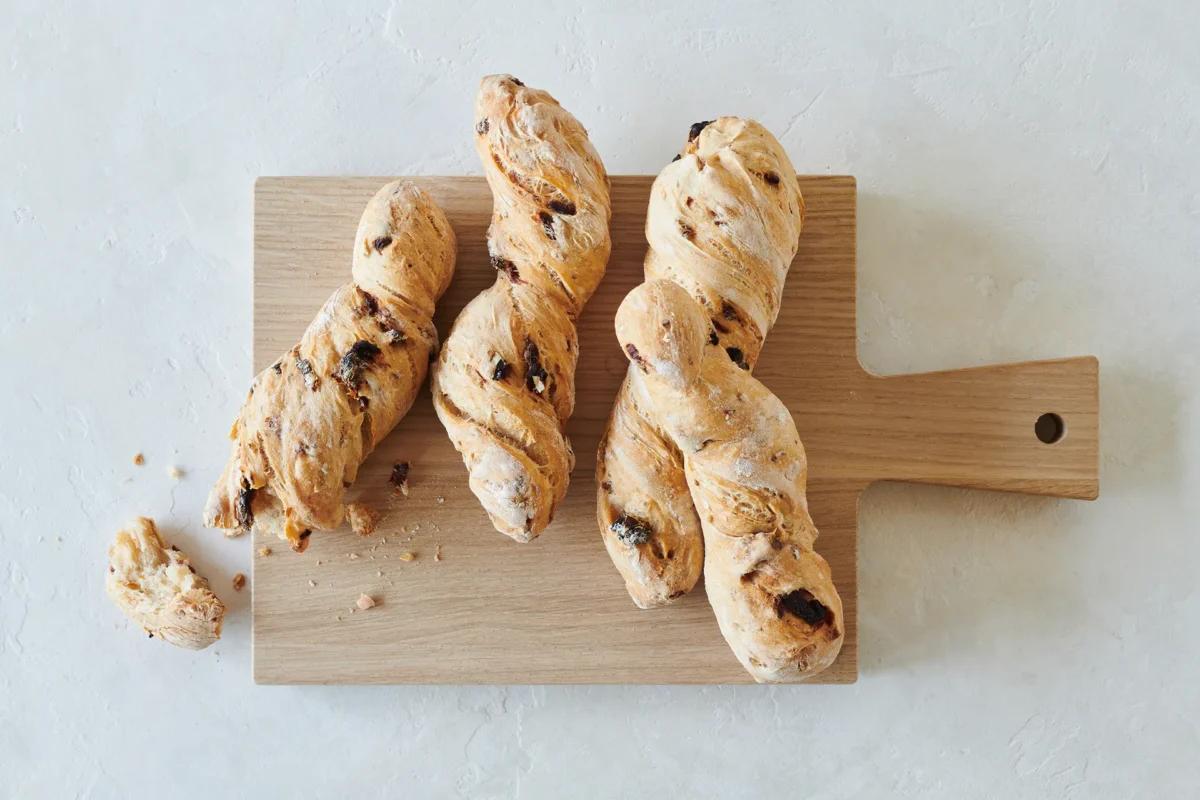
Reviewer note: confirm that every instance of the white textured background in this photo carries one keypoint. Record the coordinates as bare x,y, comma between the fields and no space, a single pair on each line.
1029,188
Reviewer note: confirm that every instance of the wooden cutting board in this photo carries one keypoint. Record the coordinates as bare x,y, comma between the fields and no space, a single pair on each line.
555,611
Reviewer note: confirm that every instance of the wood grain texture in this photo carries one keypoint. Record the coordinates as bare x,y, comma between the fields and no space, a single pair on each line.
555,611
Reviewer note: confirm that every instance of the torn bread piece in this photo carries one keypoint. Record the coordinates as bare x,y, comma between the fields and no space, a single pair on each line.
158,589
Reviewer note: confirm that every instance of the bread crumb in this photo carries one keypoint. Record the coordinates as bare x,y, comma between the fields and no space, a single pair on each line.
363,518
407,556
312,583
175,473
318,562
399,477
264,551
138,459
351,556
239,582
365,601
379,573
440,499
437,554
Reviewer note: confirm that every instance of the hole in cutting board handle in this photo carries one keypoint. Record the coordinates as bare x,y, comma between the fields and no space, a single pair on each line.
1050,428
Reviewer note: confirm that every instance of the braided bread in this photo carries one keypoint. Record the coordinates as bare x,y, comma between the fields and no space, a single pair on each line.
504,383
701,467
723,222
314,415
772,594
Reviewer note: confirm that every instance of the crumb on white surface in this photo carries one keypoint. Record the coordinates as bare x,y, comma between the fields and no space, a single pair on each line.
239,582
138,459
174,472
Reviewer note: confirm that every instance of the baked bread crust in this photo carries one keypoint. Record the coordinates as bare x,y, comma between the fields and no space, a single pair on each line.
158,589
314,415
746,471
723,222
504,382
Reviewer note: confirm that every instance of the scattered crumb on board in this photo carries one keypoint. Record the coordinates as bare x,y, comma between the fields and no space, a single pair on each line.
437,554
264,551
138,459
174,472
312,583
363,518
365,601
399,477
407,555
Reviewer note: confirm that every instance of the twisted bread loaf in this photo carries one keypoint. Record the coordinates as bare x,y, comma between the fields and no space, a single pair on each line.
745,466
504,383
314,415
157,588
723,223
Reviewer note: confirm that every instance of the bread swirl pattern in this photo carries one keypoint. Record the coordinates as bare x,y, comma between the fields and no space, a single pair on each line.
313,416
504,382
745,468
723,223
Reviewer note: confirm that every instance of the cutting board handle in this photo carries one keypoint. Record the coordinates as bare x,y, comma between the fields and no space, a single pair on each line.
1029,427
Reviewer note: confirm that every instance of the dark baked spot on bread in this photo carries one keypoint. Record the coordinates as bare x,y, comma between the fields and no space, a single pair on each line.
676,158
517,81
631,530
606,486
370,306
564,207
536,377
687,230
243,510
689,202
507,267
310,378
736,356
547,225
771,177
713,338
501,370
803,604
277,367
358,358
381,243
302,545
636,357
729,311
697,128
482,126
678,593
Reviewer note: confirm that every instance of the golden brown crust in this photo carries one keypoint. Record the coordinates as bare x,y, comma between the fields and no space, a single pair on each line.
158,589
504,382
723,223
314,415
746,470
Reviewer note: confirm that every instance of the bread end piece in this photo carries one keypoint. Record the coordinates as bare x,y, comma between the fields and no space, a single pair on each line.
158,589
